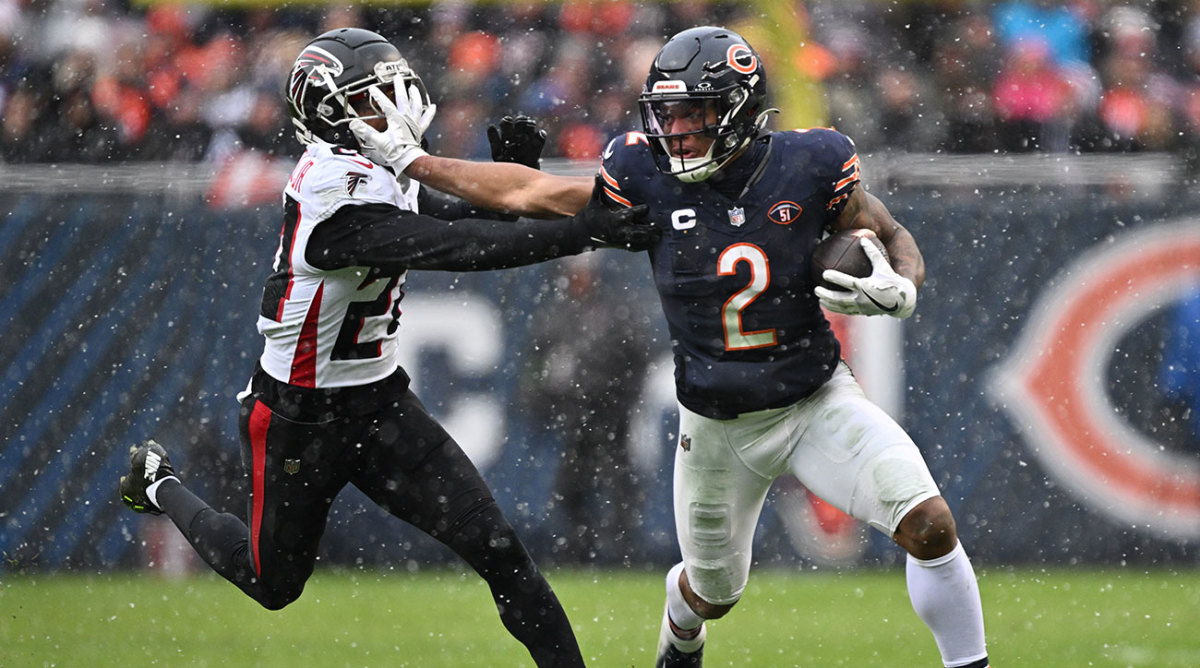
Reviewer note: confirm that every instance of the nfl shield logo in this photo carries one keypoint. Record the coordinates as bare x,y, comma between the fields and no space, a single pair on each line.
685,442
291,466
737,216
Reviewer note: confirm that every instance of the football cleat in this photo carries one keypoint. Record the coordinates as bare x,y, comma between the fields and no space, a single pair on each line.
675,658
147,465
670,656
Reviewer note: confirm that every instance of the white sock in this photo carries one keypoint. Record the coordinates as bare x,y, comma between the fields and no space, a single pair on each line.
945,595
681,613
675,609
152,490
667,637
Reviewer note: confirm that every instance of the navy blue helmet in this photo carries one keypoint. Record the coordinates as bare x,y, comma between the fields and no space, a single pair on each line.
712,71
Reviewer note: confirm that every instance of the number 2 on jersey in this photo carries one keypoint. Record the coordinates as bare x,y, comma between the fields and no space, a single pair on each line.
731,313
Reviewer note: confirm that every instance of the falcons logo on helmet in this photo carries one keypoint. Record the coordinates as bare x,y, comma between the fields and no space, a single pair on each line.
311,64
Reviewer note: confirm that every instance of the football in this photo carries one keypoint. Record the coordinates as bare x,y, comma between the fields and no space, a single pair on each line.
843,252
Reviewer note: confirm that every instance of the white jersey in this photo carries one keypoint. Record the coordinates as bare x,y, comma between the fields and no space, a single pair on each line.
328,329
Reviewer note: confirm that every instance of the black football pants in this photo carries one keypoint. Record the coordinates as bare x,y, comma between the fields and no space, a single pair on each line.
403,460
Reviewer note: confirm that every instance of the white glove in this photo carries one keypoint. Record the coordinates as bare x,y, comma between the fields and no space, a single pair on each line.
408,119
884,292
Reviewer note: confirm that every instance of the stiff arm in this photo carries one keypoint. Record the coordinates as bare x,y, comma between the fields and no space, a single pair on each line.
503,186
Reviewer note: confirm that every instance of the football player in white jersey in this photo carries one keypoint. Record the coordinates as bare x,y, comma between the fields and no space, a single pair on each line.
328,404
762,389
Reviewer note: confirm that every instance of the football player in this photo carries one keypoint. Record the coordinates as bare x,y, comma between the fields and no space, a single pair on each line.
328,404
760,382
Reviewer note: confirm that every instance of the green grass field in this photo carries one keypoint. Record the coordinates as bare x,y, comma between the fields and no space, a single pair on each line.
446,619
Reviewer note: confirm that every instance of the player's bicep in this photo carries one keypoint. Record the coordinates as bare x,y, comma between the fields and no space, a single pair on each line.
865,211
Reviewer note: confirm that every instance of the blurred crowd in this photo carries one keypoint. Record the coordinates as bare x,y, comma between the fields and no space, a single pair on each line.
89,81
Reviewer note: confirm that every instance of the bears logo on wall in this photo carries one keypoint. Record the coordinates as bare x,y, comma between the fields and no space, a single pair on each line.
1054,385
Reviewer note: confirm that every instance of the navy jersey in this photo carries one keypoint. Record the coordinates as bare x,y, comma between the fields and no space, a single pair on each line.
733,266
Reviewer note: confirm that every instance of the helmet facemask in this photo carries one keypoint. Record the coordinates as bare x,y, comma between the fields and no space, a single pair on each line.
353,100
716,115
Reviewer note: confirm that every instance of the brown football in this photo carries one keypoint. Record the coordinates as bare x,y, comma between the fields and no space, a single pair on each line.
843,252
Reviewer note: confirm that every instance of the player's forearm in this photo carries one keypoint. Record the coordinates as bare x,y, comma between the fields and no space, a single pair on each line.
506,187
867,211
371,236
478,245
905,256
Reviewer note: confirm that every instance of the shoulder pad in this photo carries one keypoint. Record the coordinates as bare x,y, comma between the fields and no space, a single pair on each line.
328,177
625,159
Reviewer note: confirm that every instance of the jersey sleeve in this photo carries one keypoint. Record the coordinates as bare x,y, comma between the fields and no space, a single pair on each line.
330,177
448,207
383,237
839,166
625,157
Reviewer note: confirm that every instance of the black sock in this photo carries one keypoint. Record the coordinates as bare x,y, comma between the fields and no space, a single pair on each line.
221,539
528,607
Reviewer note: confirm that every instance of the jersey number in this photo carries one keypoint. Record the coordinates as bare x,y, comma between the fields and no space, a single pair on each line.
731,313
347,346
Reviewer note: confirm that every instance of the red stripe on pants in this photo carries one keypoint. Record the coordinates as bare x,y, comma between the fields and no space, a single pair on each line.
260,419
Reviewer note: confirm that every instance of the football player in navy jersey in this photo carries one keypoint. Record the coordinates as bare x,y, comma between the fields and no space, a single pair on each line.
762,388
761,385
328,404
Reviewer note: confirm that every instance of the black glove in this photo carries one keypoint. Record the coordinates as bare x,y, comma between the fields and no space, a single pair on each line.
625,227
518,139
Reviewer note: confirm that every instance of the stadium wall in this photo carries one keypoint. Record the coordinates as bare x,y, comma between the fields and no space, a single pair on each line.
1031,375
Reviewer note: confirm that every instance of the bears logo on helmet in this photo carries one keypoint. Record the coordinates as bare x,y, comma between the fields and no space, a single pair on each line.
741,58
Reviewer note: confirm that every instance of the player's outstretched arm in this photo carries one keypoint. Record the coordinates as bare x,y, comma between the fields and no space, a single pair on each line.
383,237
505,187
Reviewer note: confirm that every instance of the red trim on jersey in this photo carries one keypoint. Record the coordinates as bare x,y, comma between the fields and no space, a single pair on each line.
387,289
287,294
304,361
260,420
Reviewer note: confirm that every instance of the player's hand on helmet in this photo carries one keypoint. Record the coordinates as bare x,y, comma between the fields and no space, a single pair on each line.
626,227
407,120
517,139
884,292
